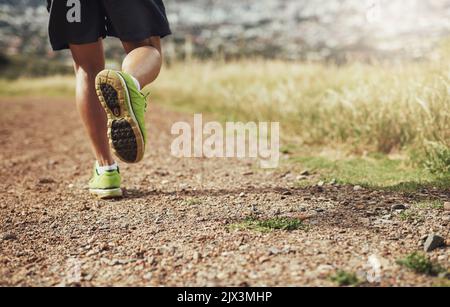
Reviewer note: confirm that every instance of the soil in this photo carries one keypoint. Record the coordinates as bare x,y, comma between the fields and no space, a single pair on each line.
173,226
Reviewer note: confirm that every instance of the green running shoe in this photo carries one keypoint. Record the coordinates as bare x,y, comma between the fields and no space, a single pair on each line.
106,186
125,107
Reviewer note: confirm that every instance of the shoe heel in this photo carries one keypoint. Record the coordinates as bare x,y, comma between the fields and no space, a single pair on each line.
107,84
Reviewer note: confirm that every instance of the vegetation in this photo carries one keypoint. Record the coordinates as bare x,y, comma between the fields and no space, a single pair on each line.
363,108
372,171
420,263
345,279
31,66
285,224
389,122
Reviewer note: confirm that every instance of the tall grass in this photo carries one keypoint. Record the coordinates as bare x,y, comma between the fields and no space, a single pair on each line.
387,108
377,108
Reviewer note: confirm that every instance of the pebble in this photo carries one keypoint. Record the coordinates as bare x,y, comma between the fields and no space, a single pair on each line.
9,236
305,173
398,207
196,257
274,251
442,258
46,181
433,242
357,188
148,276
447,206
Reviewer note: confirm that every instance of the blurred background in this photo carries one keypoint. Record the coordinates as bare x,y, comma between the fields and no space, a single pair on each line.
333,30
346,78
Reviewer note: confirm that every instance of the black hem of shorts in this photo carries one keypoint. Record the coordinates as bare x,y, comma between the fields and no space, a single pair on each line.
134,38
64,46
141,36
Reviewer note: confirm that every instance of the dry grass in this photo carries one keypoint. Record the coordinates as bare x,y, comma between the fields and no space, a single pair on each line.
387,108
374,108
383,108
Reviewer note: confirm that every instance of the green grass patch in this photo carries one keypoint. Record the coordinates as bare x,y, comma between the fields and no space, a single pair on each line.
373,172
421,264
437,158
410,216
192,202
427,205
345,279
284,224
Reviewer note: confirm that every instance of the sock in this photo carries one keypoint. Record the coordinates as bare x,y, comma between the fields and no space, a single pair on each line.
103,169
136,82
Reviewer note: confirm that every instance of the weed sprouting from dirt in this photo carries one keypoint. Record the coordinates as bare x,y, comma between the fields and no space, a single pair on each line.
345,279
192,202
421,264
268,225
437,158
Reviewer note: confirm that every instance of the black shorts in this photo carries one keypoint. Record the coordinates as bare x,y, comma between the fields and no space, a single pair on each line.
85,21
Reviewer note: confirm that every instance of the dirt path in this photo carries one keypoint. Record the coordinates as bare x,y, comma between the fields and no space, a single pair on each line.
173,227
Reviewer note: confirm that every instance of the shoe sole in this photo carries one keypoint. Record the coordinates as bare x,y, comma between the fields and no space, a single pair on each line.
107,194
124,134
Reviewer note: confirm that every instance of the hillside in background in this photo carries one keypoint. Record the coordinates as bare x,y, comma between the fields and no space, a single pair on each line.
289,29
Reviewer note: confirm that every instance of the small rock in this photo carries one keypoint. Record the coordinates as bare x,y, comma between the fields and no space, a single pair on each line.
263,259
357,188
196,257
148,276
9,236
442,258
398,207
92,253
321,184
324,270
242,195
274,251
52,162
46,181
447,206
433,242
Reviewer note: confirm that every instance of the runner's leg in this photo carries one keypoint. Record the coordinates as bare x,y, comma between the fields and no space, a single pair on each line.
88,62
143,60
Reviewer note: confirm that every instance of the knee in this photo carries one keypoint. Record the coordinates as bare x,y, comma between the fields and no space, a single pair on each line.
147,57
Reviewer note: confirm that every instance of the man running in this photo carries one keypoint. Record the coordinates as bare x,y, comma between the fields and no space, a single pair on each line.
111,103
